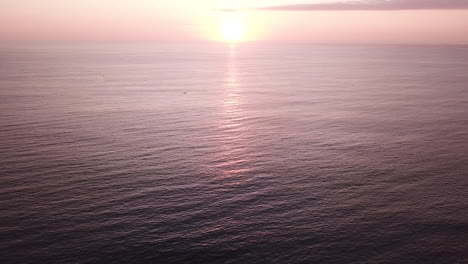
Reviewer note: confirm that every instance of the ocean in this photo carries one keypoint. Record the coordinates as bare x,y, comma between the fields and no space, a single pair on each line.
248,153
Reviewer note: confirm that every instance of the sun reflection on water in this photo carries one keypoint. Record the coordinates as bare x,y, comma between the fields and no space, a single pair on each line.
233,155
232,85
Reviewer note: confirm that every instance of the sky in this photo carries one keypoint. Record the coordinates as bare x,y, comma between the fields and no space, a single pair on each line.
296,21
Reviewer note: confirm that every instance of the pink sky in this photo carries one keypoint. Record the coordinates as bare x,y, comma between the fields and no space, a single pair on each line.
303,21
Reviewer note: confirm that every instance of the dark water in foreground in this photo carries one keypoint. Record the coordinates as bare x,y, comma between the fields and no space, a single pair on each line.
177,154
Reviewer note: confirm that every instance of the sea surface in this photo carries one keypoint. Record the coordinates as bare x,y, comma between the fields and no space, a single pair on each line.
234,154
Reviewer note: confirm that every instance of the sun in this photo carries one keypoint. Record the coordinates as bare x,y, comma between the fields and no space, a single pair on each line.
232,29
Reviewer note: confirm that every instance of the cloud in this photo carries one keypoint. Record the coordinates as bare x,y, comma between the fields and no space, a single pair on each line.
372,5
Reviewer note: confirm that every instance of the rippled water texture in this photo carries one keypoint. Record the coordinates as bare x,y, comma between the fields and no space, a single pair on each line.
247,154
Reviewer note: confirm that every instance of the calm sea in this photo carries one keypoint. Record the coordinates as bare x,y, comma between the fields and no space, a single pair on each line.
234,154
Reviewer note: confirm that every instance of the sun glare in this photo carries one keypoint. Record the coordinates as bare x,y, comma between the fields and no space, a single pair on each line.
232,29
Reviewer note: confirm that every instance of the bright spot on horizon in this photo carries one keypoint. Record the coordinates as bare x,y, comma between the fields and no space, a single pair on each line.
232,29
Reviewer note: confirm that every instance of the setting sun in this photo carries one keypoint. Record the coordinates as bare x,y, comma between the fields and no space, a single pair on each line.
232,29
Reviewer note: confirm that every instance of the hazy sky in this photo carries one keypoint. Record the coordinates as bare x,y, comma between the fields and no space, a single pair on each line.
374,21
